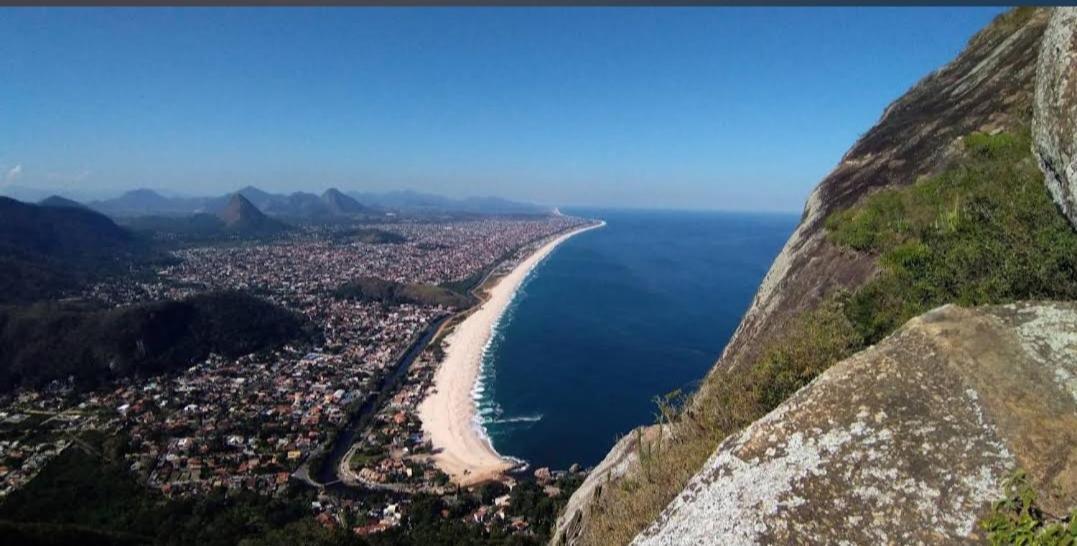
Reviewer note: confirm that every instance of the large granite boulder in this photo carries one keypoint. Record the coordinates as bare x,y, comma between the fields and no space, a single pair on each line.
907,442
1055,109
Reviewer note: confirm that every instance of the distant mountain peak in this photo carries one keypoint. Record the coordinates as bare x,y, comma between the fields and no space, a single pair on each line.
144,192
338,203
239,209
60,202
241,215
252,190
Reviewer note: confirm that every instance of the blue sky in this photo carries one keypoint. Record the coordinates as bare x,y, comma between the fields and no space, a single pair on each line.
738,109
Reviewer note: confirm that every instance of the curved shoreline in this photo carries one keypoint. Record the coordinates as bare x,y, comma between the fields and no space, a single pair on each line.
461,448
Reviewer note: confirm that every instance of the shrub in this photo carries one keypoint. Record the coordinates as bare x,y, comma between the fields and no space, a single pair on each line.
984,231
1017,520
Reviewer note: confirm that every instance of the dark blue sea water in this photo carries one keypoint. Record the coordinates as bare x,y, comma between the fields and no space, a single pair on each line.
614,317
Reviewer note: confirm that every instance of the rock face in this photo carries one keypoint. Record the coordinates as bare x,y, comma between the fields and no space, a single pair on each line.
616,464
1055,120
907,442
988,87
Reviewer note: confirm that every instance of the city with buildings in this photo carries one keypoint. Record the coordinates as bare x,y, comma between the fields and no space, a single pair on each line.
265,422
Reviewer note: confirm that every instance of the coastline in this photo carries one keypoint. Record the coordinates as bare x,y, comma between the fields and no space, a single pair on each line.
448,412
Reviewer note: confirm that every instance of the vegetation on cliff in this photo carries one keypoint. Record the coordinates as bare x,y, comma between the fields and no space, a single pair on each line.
1017,519
983,231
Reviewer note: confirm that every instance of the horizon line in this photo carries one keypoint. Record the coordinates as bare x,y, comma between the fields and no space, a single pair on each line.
172,194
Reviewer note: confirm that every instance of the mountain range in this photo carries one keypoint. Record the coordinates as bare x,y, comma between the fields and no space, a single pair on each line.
146,202
238,217
331,204
56,246
413,201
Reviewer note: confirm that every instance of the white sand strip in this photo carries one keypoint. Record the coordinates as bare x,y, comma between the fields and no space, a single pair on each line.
448,413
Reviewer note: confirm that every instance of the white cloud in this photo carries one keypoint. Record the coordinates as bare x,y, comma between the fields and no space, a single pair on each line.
13,173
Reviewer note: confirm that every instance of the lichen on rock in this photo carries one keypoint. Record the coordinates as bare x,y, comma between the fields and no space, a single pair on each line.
907,442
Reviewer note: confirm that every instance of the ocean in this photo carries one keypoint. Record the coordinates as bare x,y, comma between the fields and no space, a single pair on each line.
613,318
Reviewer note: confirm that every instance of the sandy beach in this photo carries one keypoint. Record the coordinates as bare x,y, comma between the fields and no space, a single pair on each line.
448,412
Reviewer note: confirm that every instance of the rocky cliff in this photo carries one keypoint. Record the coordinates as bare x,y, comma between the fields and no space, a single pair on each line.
987,88
1056,109
990,88
908,442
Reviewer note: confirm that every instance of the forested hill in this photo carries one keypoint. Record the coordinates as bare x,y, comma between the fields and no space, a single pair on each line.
49,341
47,250
380,290
60,232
